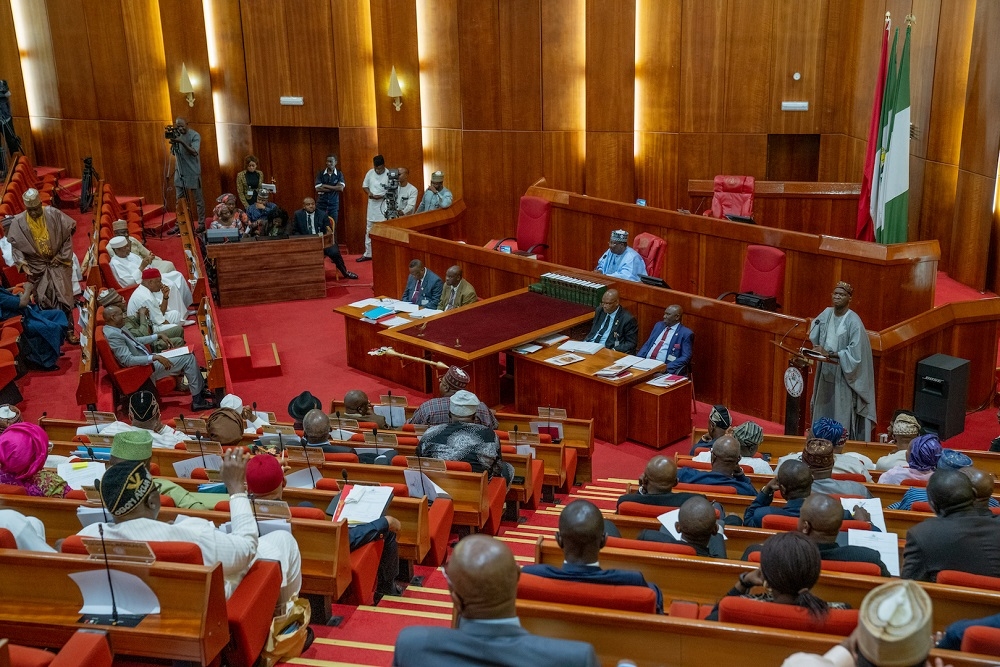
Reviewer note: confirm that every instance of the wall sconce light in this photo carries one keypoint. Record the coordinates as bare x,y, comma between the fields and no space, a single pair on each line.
186,88
395,91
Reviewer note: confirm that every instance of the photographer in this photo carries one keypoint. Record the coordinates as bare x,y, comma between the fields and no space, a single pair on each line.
185,145
375,185
437,196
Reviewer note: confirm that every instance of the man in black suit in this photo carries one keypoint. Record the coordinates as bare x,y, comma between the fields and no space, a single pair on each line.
614,327
482,578
820,520
656,485
931,544
698,527
308,220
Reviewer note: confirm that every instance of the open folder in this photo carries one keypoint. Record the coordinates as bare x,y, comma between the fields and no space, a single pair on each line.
362,504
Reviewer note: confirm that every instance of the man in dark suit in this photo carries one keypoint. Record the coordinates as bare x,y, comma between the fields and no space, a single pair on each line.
581,536
614,327
308,220
794,480
820,520
656,485
482,578
931,544
698,526
423,287
726,470
671,342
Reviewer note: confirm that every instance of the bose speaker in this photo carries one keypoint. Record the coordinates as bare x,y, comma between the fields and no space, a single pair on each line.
940,393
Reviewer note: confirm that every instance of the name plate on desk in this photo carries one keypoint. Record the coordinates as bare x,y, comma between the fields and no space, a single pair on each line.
552,413
283,429
344,423
127,551
382,439
100,417
523,438
389,399
309,455
420,463
203,447
192,426
98,440
271,509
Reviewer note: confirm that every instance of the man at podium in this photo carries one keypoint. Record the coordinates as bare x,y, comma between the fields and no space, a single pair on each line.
844,388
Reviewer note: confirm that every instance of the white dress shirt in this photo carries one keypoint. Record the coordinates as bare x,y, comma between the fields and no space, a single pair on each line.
28,531
665,337
141,297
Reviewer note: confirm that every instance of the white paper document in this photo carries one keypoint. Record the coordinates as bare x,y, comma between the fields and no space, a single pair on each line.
132,594
395,415
208,462
395,321
426,312
873,505
564,359
646,364
264,526
527,348
303,479
365,303
402,306
886,544
582,347
419,484
175,352
669,521
88,515
365,504
79,475
526,450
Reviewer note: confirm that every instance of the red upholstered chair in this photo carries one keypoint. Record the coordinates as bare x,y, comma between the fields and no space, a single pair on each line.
342,457
641,509
660,547
458,466
835,565
653,251
922,483
982,640
705,465
921,506
86,648
957,578
108,276
623,598
839,622
496,493
12,490
8,373
705,488
849,477
781,522
171,552
732,195
532,228
7,540
126,380
686,609
439,518
364,574
763,272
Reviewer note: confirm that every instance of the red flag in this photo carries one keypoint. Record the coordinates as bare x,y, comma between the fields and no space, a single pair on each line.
866,228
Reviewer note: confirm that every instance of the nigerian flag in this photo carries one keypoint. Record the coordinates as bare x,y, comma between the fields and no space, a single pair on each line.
892,209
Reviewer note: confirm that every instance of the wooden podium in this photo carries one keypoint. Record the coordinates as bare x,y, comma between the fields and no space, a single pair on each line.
252,272
796,380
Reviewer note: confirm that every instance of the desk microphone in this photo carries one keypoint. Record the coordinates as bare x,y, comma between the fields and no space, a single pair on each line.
340,427
305,451
93,418
420,471
389,420
375,433
107,568
204,461
254,404
788,332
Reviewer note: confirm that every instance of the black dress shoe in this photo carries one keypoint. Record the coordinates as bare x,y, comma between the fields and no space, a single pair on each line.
363,259
351,275
202,403
310,638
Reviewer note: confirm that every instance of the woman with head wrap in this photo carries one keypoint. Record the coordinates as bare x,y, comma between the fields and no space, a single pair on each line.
922,460
229,200
833,431
224,219
23,449
903,428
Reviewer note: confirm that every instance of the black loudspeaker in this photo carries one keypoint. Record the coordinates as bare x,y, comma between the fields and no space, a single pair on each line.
940,392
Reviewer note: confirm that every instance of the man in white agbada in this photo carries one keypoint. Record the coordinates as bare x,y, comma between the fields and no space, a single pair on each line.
155,296
845,389
144,412
253,419
128,267
120,228
28,531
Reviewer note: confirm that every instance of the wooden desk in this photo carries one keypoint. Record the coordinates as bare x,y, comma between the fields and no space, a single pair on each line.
659,416
363,336
253,272
575,387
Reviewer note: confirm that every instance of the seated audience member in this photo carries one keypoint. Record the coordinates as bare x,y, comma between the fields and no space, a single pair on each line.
131,351
273,225
982,484
951,639
435,410
137,447
357,406
436,195
749,434
464,440
726,470
903,429
261,209
225,218
140,325
44,328
144,412
918,494
316,429
698,526
120,228
789,568
266,480
253,418
794,480
28,531
656,485
9,414
614,327
23,449
154,296
300,405
921,461
457,291
229,199
482,578
581,537
894,628
820,520
670,342
832,430
128,492
423,287
129,269
818,455
226,426
931,544
309,220
719,422
620,261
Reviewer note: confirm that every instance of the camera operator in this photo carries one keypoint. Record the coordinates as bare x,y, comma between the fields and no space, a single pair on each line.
375,185
437,196
406,200
185,145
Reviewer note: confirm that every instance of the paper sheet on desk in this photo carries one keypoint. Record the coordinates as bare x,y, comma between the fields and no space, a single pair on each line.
365,504
364,303
419,484
873,505
402,306
580,346
176,352
208,462
395,321
303,479
669,521
132,594
646,364
886,544
426,312
395,415
78,475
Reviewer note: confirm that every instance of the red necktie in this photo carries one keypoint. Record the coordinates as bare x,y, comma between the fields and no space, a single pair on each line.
656,350
416,291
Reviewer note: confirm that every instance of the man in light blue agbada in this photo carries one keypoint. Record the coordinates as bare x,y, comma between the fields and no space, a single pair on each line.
620,261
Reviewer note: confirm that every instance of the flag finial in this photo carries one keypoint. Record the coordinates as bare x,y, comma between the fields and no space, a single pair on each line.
910,19
888,20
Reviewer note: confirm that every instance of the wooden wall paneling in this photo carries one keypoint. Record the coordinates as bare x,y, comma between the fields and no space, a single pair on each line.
443,151
72,59
951,76
799,46
563,160
704,40
658,65
22,126
394,44
146,60
124,168
937,209
698,156
683,261
523,165
966,343
312,73
66,142
971,228
10,63
357,147
871,22
294,178
404,148
229,76
564,66
484,182
185,42
656,170
610,65
923,51
722,268
109,60
611,168
352,52
842,21
916,195
268,68
981,129
748,88
520,48
812,289
479,59
440,73
841,158
745,154
38,68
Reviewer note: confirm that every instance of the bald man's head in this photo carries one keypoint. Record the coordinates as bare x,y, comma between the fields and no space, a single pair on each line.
949,491
820,518
696,521
726,455
982,484
316,426
482,576
356,402
794,479
660,475
581,532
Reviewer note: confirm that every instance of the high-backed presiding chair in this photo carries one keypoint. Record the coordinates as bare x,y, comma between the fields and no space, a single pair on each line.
732,195
532,228
653,251
763,275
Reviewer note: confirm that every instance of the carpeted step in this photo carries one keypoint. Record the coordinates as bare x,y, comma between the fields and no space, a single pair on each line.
43,172
250,361
150,211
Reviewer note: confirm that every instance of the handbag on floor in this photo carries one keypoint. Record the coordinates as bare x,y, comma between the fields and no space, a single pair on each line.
288,634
